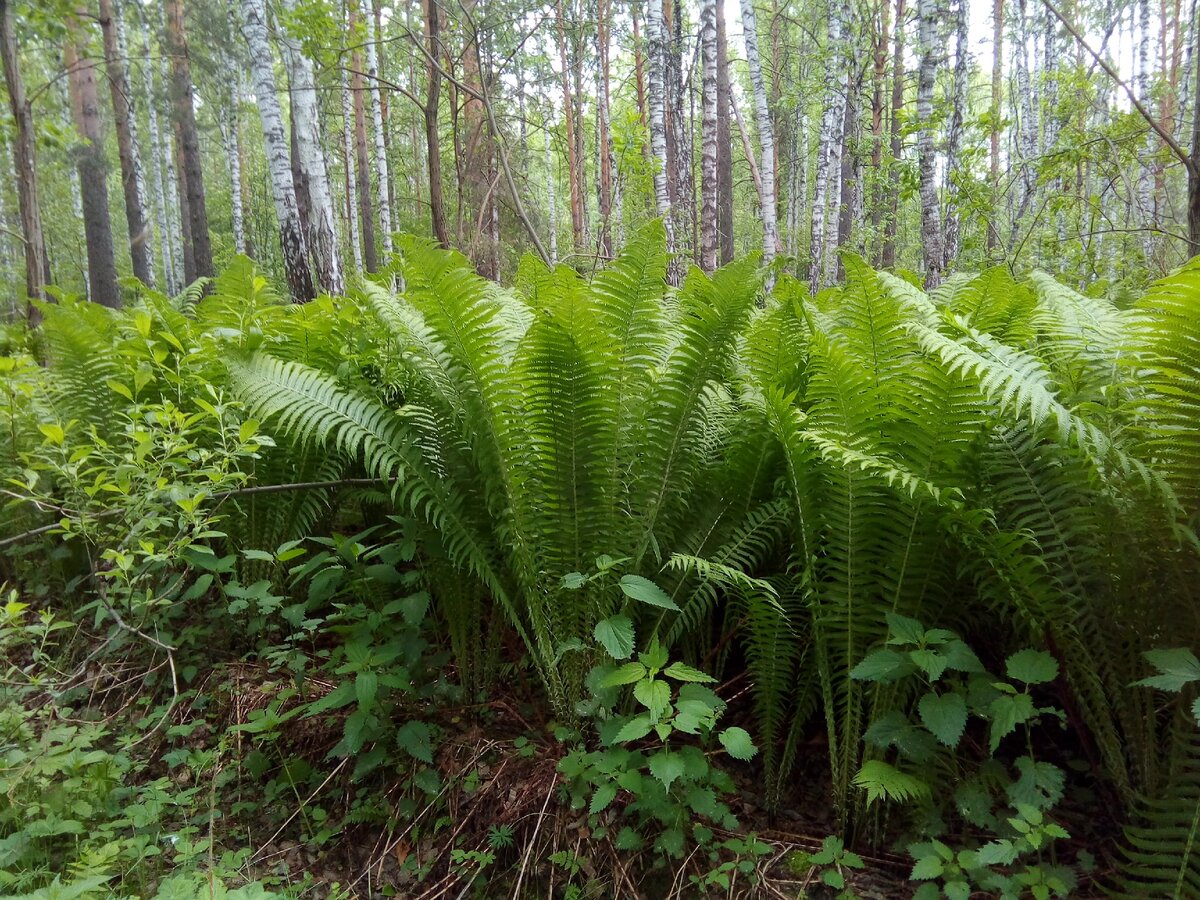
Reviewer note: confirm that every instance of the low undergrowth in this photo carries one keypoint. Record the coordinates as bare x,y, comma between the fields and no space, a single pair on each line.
592,588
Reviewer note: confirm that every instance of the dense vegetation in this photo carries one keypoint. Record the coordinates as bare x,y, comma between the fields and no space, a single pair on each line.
381,587
586,448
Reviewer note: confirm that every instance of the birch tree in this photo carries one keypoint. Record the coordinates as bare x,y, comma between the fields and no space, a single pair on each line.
958,105
931,233
191,171
133,183
766,133
322,238
351,175
828,164
283,190
37,269
381,162
91,165
708,142
656,107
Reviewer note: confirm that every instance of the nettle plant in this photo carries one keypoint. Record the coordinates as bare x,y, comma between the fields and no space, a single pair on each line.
651,751
1008,803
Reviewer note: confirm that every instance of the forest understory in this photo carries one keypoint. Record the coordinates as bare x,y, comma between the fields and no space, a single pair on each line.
599,448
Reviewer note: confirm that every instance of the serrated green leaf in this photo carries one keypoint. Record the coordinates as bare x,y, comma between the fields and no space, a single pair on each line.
681,672
1007,712
605,794
615,635
634,730
1176,668
416,739
1032,667
653,694
666,766
646,591
737,743
944,715
626,674
904,630
882,665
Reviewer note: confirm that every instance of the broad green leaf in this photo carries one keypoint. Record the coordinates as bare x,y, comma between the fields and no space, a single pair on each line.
634,730
944,715
615,635
904,630
681,672
1032,666
653,694
416,739
53,432
646,591
882,665
627,674
1007,712
366,688
737,743
1176,668
605,794
666,766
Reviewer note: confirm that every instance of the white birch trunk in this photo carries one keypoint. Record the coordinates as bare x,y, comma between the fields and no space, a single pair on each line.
766,132
837,151
174,209
139,174
931,233
954,138
828,149
551,199
1026,132
381,162
708,139
656,103
1146,197
292,241
233,153
322,236
162,220
351,174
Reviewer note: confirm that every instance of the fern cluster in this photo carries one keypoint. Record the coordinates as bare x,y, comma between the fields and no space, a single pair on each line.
1009,458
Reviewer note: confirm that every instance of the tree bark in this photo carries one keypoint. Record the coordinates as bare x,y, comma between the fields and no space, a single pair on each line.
192,174
160,160
433,146
931,233
993,232
322,238
828,156
125,121
1193,169
879,45
603,138
478,164
37,274
89,159
656,103
573,179
724,147
958,111
291,232
381,161
363,166
888,253
708,142
766,133
351,175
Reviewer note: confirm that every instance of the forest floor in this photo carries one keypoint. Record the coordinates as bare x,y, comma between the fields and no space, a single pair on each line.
497,766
